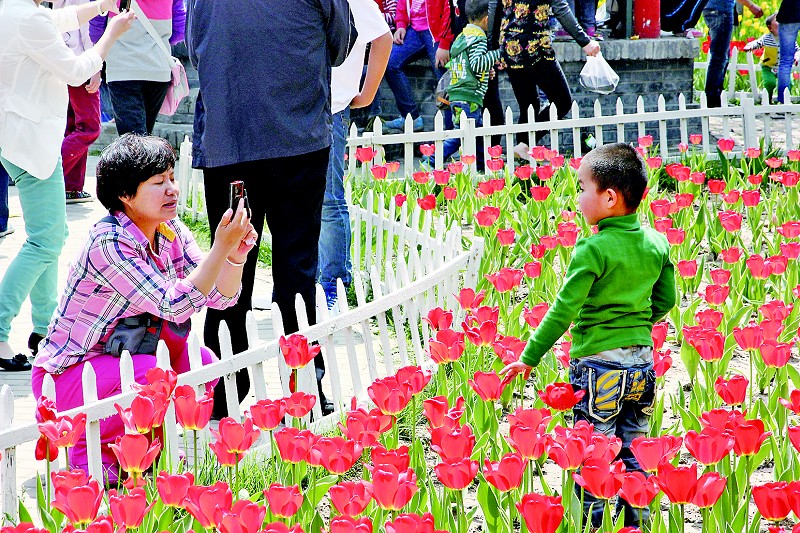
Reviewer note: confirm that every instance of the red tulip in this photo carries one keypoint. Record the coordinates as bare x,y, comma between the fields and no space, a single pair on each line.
661,362
776,310
751,198
448,346
415,377
523,172
468,159
450,193
687,268
244,517
506,279
280,527
696,138
427,149
145,413
748,437
561,396
725,145
661,208
64,431
436,409
410,523
793,403
732,391
348,524
530,442
675,236
365,153
400,199
379,172
427,203
508,348
45,449
794,436
202,502
457,474
28,527
392,488
267,414
716,186
234,438
336,455
730,220
79,503
709,488
193,413
506,236
716,294
487,385
441,176
451,444
709,446
135,453
775,354
533,316
542,514
721,419
480,333
650,452
296,351
468,299
457,167
294,444
487,216
637,489
540,193
172,488
772,500
544,172
603,447
731,255
351,497
531,418
397,457
129,511
299,404
283,501
678,483
505,474
389,395
791,250
659,334
749,337
600,478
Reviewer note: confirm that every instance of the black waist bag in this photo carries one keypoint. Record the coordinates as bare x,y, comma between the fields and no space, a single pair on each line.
138,334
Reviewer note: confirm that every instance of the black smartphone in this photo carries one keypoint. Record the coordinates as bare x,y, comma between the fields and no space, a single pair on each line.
124,5
237,191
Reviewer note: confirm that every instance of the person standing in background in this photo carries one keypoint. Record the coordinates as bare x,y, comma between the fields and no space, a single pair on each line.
347,93
270,126
788,27
83,116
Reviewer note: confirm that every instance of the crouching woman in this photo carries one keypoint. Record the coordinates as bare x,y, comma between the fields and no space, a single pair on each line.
139,278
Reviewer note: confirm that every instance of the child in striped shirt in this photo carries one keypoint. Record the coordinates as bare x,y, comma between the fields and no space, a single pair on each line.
470,67
769,60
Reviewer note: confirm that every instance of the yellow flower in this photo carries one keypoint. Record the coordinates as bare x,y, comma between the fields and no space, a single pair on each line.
522,10
513,48
542,13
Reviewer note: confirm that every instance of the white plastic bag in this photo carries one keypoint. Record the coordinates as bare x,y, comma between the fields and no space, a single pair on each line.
598,76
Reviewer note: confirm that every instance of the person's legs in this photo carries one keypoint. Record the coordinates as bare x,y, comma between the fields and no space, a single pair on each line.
720,29
556,89
258,183
451,146
334,236
127,100
491,101
586,15
154,93
398,82
83,128
523,83
787,35
69,394
34,271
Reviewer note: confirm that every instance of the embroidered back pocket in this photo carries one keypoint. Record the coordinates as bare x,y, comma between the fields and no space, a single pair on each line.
606,386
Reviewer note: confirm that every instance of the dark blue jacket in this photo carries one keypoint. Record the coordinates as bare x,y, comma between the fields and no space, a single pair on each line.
265,76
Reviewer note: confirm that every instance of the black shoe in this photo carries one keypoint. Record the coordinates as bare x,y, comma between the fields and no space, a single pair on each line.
18,363
33,343
325,405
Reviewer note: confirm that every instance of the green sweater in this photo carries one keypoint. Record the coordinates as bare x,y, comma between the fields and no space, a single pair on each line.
618,284
469,66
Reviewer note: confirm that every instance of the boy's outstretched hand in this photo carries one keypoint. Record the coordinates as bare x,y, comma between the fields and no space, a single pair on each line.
518,367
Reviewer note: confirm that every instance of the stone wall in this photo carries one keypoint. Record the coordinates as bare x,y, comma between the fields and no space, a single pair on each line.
647,68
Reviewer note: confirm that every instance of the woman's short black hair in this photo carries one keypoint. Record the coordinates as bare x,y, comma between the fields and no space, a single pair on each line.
127,162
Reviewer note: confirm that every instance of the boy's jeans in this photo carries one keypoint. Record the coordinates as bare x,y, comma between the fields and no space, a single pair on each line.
620,393
451,146
334,235
720,29
787,34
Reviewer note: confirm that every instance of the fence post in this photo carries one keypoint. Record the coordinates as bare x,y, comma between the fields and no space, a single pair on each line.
749,122
468,144
8,463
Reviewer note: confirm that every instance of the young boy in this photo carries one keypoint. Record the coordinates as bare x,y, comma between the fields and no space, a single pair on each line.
470,67
769,60
618,284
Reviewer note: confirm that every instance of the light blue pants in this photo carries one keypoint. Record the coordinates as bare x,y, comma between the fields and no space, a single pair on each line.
34,271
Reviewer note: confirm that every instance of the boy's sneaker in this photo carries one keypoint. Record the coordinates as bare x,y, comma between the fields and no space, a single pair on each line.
8,231
399,124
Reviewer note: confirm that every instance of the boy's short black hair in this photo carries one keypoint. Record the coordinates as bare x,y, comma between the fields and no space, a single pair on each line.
770,19
126,163
618,166
476,9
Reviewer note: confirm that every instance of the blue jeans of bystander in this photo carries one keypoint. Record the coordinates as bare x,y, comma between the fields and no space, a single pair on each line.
720,29
451,146
415,43
787,34
334,235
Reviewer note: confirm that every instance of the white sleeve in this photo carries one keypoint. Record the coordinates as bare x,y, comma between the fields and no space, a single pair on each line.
45,45
369,20
64,18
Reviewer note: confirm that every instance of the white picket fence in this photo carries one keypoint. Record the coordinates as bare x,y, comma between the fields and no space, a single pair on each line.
750,119
750,65
406,262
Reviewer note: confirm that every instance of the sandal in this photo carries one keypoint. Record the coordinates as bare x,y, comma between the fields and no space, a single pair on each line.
18,363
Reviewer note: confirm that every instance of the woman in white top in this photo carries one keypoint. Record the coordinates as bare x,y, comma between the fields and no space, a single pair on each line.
37,66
